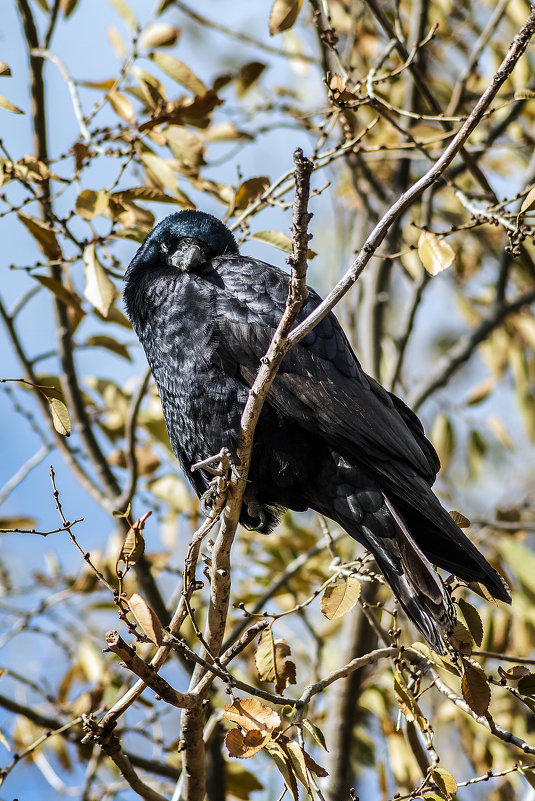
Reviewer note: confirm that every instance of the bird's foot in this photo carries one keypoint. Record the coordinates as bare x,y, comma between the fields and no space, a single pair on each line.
210,496
221,461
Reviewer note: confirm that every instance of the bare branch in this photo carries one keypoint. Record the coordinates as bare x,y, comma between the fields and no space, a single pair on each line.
466,346
148,674
516,49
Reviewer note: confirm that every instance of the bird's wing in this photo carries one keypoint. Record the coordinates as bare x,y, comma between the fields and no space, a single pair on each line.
320,384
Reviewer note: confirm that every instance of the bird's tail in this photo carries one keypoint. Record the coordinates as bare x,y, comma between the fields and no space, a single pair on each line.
413,579
416,584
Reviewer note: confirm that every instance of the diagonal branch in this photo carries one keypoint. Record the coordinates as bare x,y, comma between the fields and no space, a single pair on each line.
516,50
461,352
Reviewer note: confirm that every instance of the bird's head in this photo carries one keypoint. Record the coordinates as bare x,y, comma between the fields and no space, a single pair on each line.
184,241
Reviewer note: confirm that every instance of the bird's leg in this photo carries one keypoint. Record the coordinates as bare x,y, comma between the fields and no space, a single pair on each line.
218,485
223,460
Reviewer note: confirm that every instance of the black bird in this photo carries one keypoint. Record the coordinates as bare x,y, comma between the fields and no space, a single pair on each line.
329,438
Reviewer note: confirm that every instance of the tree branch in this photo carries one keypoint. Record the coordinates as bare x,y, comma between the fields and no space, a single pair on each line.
516,49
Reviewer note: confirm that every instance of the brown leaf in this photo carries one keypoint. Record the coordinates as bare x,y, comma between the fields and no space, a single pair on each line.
146,618
43,235
526,684
339,598
151,91
132,549
117,42
81,152
515,673
187,147
109,343
5,71
124,11
443,438
279,240
99,289
90,204
60,417
339,90
249,714
144,193
68,296
9,106
147,461
179,72
272,661
159,173
17,521
122,106
473,620
283,16
529,201
482,391
313,766
243,745
240,782
461,639
159,34
249,190
68,6
436,254
475,689
407,702
31,169
247,76
461,520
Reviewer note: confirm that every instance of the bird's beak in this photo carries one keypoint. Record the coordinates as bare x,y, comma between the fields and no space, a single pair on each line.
188,259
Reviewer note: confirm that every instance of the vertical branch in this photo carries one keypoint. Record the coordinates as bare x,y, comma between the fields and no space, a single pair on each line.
193,788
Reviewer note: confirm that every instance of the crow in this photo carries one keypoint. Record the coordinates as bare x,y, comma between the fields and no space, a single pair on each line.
329,438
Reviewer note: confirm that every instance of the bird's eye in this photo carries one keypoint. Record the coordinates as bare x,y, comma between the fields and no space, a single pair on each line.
165,248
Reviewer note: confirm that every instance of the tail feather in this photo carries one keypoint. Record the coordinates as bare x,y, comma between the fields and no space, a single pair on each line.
447,546
414,581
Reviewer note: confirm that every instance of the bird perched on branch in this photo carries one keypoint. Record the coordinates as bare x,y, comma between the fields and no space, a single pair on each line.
329,437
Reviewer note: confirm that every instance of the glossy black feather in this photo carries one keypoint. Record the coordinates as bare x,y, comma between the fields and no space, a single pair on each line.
329,437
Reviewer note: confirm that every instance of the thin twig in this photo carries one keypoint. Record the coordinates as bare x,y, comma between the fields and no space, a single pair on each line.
78,113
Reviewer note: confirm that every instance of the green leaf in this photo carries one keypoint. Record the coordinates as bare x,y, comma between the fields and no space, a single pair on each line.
316,733
284,766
